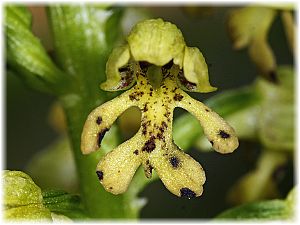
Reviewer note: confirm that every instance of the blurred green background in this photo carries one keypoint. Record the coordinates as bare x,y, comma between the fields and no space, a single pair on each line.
27,111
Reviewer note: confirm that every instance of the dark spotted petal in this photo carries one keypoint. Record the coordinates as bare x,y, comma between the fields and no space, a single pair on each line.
100,120
116,169
179,172
220,134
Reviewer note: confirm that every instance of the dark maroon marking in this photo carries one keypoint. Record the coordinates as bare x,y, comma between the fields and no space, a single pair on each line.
144,127
127,77
178,97
148,171
159,136
136,95
174,161
273,77
164,125
168,65
162,128
99,120
145,109
133,96
167,115
144,66
100,175
207,110
280,172
187,193
124,69
144,130
223,134
174,89
101,135
110,188
149,145
212,143
188,85
136,152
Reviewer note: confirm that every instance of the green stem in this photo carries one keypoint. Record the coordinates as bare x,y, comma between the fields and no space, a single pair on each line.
77,108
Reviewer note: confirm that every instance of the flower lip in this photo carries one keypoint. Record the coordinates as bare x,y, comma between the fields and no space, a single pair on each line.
157,93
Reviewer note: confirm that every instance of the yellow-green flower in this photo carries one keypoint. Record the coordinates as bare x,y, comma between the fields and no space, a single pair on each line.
249,27
157,59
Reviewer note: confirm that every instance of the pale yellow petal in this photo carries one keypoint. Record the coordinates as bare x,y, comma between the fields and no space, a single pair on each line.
180,173
117,168
220,134
100,120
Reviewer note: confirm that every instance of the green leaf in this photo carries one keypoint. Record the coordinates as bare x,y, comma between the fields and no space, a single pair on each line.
19,189
265,210
271,210
22,198
60,202
26,55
